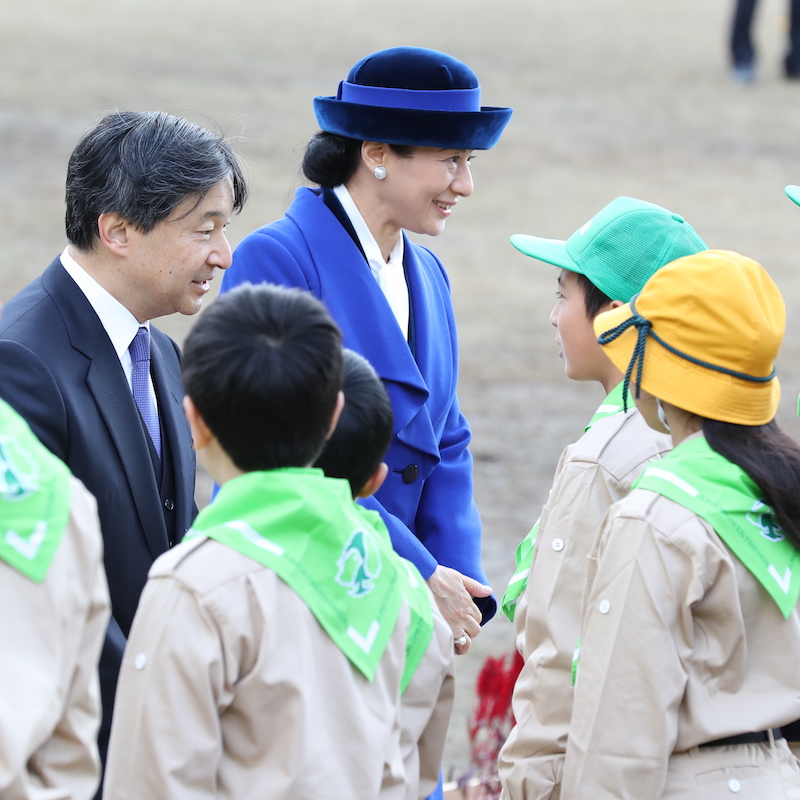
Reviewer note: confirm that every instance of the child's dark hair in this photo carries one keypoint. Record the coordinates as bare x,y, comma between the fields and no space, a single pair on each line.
263,366
594,300
364,431
771,459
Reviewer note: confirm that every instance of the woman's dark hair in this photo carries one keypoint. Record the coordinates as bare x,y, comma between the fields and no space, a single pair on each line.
593,299
771,459
142,166
331,160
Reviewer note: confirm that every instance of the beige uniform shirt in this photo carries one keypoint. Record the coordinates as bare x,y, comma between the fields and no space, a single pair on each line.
680,646
51,634
592,474
231,689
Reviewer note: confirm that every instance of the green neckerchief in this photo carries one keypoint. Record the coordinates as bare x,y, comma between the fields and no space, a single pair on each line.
34,498
307,529
418,599
700,479
611,406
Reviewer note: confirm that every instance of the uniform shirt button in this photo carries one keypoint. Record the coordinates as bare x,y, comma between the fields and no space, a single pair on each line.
558,545
168,504
604,607
410,473
734,785
140,662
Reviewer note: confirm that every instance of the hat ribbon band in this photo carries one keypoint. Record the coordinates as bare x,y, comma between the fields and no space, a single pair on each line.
645,329
416,99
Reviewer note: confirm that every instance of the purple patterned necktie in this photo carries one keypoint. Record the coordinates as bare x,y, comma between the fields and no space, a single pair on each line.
140,374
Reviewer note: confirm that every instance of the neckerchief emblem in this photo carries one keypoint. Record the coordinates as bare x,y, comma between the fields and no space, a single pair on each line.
765,521
359,564
18,472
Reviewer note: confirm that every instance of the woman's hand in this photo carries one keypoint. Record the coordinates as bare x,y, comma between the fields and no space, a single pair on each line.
454,592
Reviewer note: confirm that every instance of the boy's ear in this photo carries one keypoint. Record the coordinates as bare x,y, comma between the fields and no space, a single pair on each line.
376,481
615,304
201,434
337,412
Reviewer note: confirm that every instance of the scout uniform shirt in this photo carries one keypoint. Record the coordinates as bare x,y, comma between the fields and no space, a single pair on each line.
592,474
681,645
55,605
237,682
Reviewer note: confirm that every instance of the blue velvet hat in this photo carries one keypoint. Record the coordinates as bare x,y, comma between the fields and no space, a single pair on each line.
412,96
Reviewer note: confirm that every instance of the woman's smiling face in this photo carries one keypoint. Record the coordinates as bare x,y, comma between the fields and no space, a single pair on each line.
421,190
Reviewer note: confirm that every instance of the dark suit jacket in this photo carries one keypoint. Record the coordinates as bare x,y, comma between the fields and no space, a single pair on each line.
59,370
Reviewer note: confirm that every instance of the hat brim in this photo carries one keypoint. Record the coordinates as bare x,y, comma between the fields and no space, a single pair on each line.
456,130
551,251
699,390
793,193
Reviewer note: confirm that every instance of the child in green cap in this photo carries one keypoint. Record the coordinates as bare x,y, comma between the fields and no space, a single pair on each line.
603,265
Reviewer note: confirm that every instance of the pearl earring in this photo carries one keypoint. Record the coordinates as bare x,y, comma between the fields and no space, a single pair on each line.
380,173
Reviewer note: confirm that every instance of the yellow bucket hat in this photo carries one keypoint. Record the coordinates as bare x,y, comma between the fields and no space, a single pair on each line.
710,326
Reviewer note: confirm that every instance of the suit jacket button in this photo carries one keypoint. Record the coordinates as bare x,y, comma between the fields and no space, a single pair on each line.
410,473
168,504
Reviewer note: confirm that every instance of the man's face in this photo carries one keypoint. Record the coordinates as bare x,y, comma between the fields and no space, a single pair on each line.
171,267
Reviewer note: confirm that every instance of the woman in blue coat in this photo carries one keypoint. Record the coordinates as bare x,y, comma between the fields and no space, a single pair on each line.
393,155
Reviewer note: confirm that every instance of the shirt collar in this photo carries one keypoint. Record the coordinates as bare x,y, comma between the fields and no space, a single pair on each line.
119,323
366,239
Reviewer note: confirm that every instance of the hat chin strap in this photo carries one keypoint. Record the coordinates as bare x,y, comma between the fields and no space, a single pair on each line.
644,329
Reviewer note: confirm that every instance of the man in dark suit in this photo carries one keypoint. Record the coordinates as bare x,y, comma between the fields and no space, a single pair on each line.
148,197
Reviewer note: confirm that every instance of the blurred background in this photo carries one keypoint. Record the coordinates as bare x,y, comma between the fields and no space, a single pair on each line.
610,97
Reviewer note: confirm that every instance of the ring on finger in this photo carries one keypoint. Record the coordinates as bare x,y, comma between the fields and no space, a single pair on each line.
462,640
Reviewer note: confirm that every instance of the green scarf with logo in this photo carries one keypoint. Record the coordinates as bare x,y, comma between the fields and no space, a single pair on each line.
611,406
308,531
34,498
700,479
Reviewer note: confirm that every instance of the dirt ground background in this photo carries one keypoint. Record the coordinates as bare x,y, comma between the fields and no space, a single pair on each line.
611,97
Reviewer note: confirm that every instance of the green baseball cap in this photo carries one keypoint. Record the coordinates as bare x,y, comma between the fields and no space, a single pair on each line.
620,247
793,193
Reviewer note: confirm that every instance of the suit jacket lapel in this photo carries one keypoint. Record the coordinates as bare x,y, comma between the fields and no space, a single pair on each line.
169,389
107,383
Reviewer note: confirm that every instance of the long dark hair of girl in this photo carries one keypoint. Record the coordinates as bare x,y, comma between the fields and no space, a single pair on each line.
771,459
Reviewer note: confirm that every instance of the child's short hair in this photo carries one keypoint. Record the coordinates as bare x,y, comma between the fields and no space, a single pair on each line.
365,426
263,366
594,299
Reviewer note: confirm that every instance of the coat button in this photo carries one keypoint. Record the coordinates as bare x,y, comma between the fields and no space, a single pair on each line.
558,545
168,504
410,473
604,607
734,785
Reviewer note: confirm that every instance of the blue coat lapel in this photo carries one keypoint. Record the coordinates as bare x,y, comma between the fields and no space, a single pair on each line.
349,282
